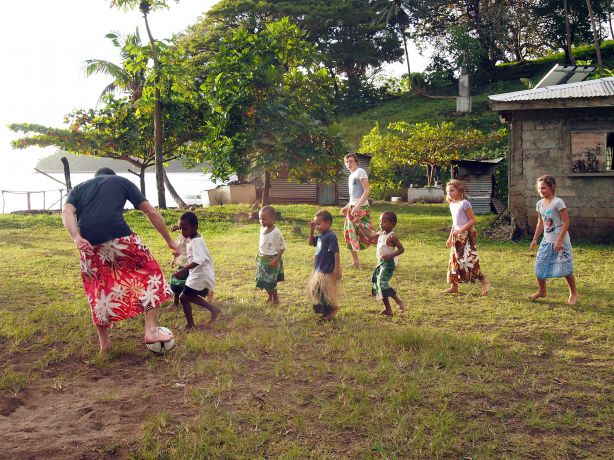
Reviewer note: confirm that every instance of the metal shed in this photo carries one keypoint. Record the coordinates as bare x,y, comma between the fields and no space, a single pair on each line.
286,191
478,178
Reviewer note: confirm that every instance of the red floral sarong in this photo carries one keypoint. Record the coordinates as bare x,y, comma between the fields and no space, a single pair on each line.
121,280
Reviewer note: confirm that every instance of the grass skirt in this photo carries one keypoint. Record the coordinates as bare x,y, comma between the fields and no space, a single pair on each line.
322,291
354,238
380,281
268,276
464,262
552,264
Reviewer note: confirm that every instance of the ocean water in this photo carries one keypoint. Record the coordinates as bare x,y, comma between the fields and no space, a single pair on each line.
188,186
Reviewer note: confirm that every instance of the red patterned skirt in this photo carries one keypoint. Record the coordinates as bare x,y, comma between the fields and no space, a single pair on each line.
121,280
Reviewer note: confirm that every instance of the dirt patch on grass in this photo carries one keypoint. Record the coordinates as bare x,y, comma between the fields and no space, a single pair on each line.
99,415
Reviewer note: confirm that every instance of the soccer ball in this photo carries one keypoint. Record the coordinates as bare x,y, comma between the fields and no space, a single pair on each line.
159,348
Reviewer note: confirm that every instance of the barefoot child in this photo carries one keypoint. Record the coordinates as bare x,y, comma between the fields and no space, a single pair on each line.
464,262
322,287
269,264
201,277
554,256
180,262
389,248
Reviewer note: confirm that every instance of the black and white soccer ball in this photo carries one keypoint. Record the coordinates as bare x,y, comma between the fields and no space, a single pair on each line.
159,348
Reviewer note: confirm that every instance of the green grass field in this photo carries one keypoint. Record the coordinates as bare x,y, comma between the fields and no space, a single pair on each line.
456,377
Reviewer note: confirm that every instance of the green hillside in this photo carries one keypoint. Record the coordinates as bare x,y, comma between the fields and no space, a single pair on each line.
415,108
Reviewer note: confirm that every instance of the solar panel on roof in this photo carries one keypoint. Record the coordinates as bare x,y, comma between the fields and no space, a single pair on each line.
560,74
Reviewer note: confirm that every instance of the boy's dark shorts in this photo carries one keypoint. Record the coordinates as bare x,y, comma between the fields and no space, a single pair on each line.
189,291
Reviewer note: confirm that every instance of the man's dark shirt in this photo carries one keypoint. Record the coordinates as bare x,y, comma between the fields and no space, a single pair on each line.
100,205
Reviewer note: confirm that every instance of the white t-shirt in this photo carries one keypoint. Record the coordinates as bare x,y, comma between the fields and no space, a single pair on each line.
355,184
458,209
202,276
271,243
552,219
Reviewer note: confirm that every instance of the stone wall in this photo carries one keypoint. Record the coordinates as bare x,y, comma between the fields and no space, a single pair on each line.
540,143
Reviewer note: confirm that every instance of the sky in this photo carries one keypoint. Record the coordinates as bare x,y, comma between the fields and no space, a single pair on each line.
44,46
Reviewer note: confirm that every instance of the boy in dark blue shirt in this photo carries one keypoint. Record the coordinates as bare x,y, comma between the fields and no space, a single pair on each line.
322,287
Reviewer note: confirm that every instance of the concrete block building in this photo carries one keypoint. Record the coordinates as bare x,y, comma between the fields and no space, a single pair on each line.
566,131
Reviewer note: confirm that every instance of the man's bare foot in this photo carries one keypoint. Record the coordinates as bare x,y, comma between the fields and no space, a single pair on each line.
452,290
104,348
402,307
215,312
485,286
386,312
573,299
331,314
353,265
171,307
537,295
157,336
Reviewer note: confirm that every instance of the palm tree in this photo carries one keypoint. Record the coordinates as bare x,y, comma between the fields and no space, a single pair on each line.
131,82
394,13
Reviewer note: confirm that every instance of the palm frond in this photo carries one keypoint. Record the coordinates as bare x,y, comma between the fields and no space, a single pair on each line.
99,66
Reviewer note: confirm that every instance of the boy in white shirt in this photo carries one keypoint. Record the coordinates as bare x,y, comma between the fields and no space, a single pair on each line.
201,277
269,264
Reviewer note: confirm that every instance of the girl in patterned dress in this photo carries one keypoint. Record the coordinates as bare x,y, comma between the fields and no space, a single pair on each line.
464,262
554,256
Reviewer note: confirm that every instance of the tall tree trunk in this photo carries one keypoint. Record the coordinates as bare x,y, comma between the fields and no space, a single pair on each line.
266,188
568,50
142,178
180,203
610,24
406,52
157,121
595,34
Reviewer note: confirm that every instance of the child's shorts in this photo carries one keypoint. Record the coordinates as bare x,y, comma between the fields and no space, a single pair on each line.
203,293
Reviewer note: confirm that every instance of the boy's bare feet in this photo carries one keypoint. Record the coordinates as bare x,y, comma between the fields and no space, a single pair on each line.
573,299
386,312
331,314
451,290
537,295
401,307
485,286
171,307
353,265
215,312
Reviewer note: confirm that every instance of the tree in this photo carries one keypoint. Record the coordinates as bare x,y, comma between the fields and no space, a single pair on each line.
343,31
557,33
596,35
395,13
271,107
146,6
431,146
130,75
122,131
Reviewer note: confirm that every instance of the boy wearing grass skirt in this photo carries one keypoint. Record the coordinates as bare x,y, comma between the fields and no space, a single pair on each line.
389,248
269,264
323,285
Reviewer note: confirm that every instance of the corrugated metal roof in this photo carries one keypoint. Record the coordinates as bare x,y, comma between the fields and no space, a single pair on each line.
603,87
